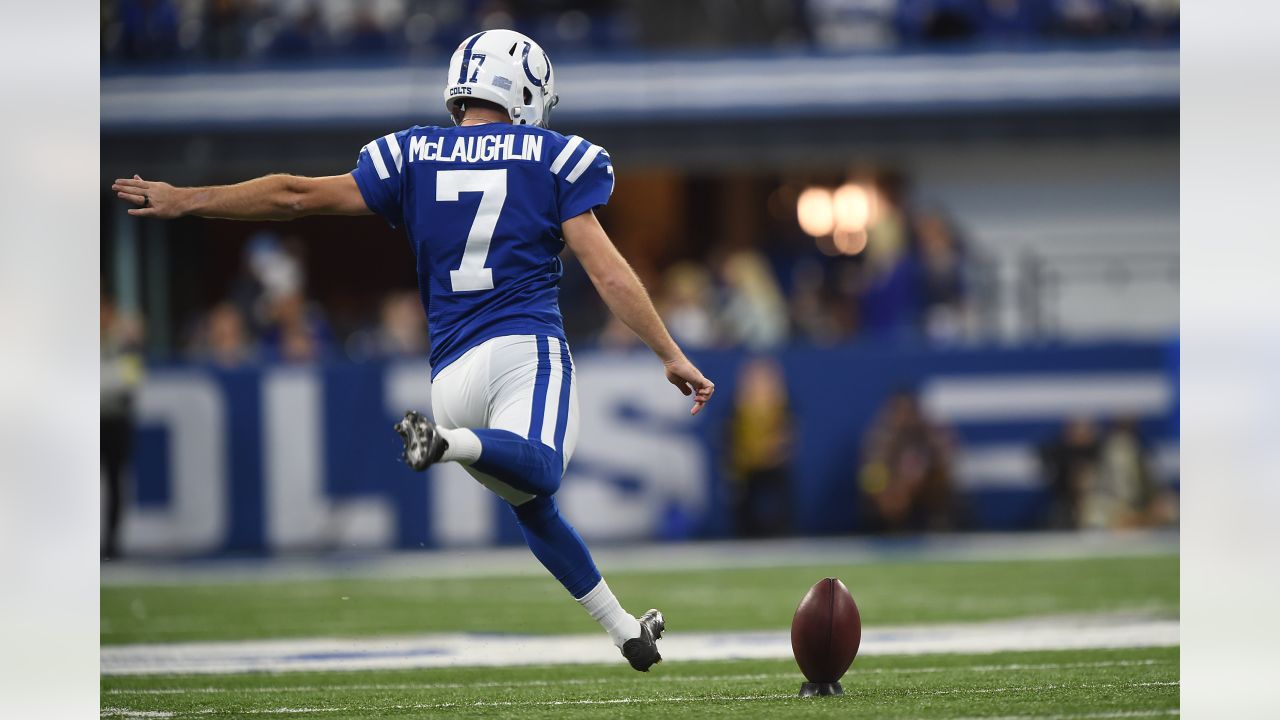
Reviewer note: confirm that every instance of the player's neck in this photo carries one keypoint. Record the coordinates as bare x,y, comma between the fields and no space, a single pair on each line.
483,116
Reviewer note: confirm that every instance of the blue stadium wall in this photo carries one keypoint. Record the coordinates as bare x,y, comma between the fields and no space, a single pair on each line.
278,459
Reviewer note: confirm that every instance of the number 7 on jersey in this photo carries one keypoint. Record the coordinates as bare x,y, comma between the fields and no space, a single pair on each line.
492,186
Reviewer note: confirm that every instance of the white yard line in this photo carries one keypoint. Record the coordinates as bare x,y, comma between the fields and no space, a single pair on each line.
664,679
125,713
1169,712
463,650
114,712
1039,688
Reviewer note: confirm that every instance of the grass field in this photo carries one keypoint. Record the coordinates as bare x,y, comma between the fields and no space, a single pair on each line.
741,599
1114,683
1137,682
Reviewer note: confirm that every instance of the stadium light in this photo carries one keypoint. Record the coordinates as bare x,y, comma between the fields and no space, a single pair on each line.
815,209
838,219
850,242
851,208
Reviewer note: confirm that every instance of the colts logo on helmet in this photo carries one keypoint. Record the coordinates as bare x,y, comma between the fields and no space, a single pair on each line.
534,79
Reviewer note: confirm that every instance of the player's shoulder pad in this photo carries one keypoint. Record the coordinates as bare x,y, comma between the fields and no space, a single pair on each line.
573,157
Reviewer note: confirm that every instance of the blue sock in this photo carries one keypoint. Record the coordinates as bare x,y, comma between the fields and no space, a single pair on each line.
557,545
524,464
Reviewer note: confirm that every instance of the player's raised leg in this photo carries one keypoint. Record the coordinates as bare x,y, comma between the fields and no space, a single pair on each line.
521,455
513,399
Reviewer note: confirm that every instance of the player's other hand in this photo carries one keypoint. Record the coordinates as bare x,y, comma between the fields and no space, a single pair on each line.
690,381
154,199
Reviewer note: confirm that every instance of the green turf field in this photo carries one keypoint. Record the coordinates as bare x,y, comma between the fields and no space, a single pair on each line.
886,593
1104,683
1139,682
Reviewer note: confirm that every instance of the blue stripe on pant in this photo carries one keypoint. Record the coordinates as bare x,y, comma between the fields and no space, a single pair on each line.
525,463
541,380
562,417
530,466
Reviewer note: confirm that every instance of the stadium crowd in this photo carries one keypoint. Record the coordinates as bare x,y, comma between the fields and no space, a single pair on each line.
909,283
142,31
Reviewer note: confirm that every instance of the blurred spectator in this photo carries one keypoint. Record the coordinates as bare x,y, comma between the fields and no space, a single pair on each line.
120,338
270,272
815,315
1070,464
367,37
404,327
300,37
887,235
148,30
225,28
1014,20
298,332
704,24
1159,18
905,479
760,444
937,22
1095,18
401,330
890,299
685,305
755,313
852,24
222,338
616,336
940,266
916,288
1104,483
1126,493
888,290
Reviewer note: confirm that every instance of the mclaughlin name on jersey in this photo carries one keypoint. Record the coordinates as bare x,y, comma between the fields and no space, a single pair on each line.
482,206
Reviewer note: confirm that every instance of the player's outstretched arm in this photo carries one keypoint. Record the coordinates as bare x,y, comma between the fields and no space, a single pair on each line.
626,297
272,197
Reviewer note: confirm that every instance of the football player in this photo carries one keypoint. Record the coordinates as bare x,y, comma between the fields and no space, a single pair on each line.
488,205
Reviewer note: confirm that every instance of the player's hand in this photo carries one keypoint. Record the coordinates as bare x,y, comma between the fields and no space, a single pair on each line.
690,381
154,199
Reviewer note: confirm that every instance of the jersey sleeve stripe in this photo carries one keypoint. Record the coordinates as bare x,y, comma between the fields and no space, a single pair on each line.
376,156
583,163
394,148
563,157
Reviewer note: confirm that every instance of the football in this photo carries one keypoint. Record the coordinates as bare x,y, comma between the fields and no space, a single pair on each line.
826,631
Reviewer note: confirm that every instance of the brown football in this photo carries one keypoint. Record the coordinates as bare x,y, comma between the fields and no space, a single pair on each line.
826,631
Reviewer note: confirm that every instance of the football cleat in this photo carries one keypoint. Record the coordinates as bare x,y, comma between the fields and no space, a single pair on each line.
642,652
423,444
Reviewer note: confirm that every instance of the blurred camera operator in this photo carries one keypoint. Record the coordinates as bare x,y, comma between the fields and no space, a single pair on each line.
120,339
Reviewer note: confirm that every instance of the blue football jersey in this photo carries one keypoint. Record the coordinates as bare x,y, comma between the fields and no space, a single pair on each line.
482,206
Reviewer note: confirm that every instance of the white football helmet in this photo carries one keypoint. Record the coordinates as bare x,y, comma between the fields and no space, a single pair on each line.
503,67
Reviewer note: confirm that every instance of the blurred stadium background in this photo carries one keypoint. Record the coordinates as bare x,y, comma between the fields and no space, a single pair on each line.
930,246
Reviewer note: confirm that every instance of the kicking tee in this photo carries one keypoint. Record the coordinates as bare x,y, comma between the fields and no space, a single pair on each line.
482,206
